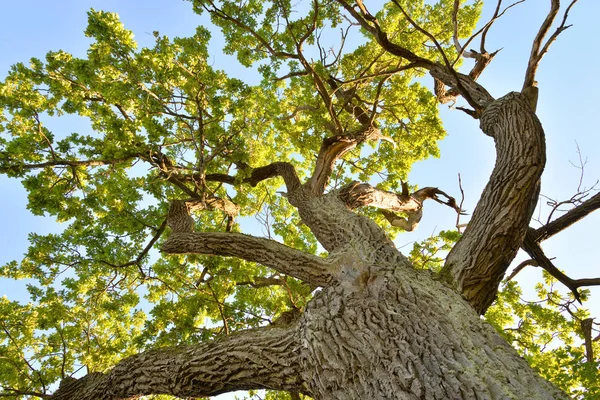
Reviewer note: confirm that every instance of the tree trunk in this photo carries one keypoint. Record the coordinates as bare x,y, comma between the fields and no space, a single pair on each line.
396,333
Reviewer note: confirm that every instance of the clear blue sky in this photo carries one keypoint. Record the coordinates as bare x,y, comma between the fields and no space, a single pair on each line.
567,108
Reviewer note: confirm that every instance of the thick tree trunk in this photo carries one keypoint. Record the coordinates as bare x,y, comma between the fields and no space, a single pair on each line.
386,330
399,334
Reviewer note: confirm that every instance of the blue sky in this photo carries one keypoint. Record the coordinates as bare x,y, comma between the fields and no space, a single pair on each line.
567,108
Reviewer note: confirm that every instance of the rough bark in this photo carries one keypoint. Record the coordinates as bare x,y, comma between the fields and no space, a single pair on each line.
258,359
477,263
358,194
309,268
399,334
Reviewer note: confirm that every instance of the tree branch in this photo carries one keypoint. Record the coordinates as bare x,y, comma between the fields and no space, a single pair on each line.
358,194
477,263
531,246
282,169
537,51
335,147
264,358
306,267
63,163
567,219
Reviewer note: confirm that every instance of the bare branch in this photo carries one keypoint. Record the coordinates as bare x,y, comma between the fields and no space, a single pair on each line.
535,251
537,50
358,194
568,219
520,267
462,200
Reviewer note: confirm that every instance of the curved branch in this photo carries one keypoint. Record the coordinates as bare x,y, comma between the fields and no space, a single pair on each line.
282,169
535,251
335,147
474,93
255,359
477,263
298,264
370,24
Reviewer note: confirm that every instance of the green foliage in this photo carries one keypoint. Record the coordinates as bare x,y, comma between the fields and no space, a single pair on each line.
159,122
548,334
431,253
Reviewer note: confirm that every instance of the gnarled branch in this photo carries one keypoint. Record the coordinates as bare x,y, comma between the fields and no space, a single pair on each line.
335,147
477,263
358,194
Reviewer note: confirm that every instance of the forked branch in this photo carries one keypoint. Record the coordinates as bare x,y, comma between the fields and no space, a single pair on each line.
567,219
536,252
335,147
538,49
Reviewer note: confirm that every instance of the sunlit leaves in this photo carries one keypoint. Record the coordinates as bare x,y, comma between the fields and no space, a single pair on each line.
547,332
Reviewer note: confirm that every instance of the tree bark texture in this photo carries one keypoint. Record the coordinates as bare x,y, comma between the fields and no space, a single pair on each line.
477,263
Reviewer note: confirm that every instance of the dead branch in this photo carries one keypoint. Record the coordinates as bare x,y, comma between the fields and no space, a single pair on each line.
358,194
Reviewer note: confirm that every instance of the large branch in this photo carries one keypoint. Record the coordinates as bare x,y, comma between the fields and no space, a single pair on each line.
306,267
257,359
283,169
477,263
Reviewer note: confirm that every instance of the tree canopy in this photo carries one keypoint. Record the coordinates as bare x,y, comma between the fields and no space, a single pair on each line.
344,101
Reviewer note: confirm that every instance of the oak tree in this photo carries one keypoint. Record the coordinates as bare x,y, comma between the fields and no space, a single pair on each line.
153,288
